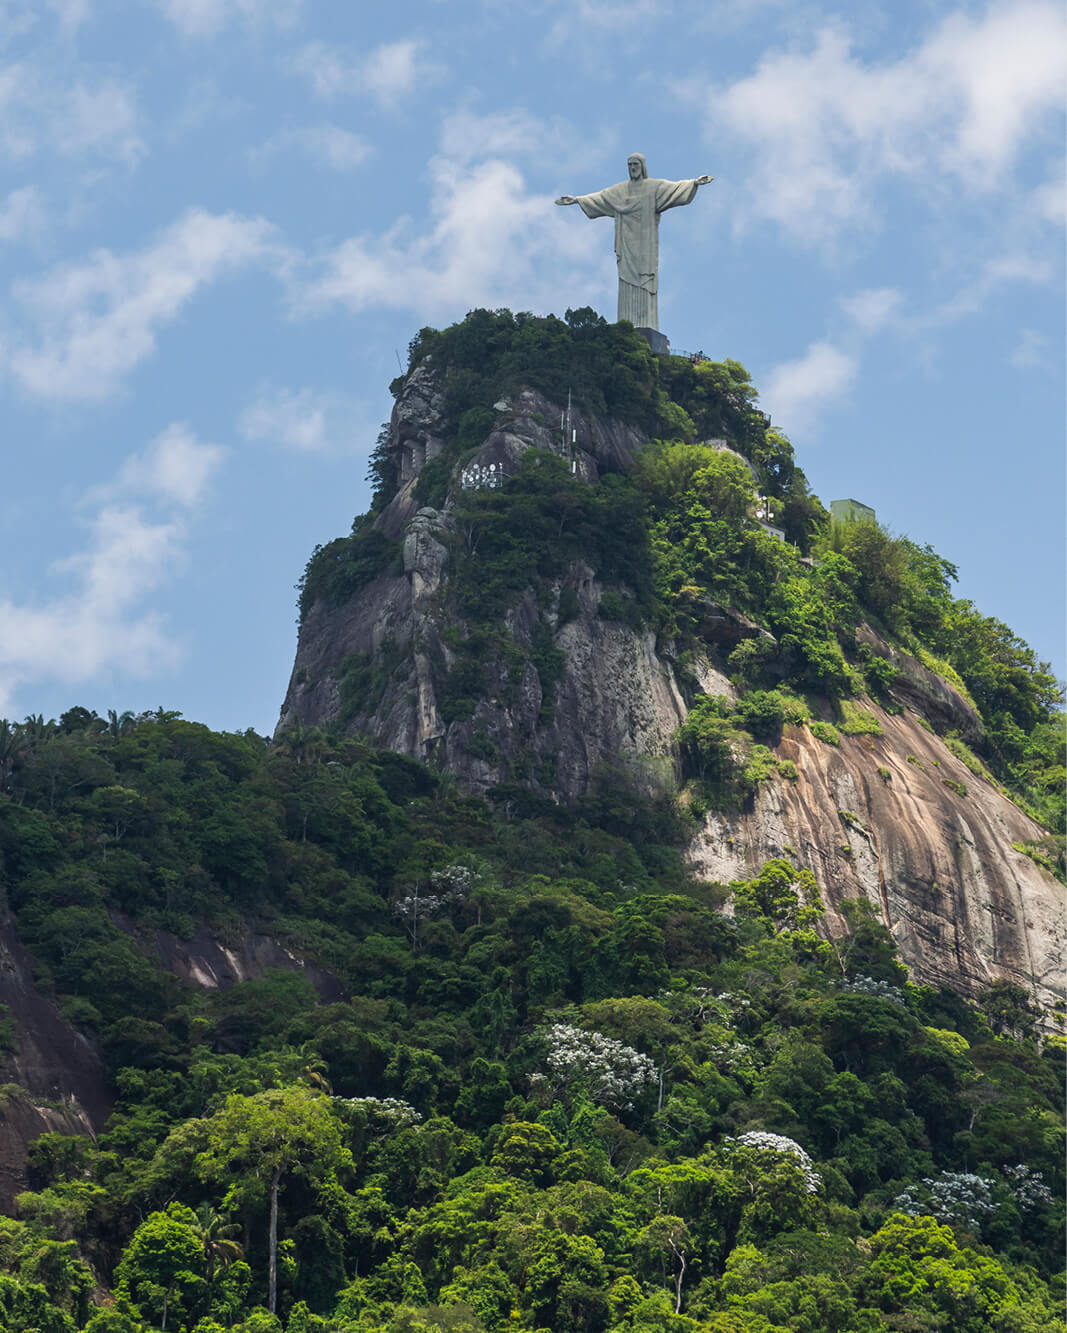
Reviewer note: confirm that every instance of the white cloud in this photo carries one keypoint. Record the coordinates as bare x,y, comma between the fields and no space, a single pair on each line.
71,13
490,242
15,19
331,73
393,71
333,147
99,623
1014,266
467,136
21,213
388,73
1030,351
306,420
797,391
97,320
610,16
873,308
45,108
205,18
825,127
1049,200
175,468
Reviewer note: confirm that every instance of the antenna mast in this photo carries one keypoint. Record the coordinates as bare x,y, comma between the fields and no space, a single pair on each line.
570,436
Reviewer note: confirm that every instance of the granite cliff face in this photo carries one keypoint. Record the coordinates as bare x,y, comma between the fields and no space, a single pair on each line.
54,1076
616,699
896,817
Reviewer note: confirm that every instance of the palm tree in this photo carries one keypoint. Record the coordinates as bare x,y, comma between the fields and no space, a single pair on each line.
36,729
120,724
313,1068
304,745
216,1235
12,747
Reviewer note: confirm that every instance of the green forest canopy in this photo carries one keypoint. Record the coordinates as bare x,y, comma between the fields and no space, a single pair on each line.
563,1091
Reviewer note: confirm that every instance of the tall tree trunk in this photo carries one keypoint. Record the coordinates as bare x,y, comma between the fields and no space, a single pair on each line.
272,1271
678,1282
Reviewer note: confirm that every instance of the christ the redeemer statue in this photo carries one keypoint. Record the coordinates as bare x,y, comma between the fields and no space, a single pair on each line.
635,205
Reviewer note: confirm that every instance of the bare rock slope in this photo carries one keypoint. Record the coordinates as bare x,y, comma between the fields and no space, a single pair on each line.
52,1077
896,817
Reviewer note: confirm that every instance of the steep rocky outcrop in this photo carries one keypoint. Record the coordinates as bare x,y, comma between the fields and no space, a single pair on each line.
899,819
54,1075
896,816
216,964
616,698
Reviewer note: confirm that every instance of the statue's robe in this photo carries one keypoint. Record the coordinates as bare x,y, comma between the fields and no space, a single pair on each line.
636,206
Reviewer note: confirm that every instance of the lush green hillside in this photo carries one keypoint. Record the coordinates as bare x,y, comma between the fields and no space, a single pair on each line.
564,1090
564,1093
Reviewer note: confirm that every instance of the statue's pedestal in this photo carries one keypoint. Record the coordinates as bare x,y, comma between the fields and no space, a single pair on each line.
659,342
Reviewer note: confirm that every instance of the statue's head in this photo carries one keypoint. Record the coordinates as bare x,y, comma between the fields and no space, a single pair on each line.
635,165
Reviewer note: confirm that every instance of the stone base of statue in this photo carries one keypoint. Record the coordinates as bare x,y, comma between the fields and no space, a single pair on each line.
659,342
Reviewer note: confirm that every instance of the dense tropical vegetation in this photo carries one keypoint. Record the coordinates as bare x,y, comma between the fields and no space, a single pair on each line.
562,1090
545,1082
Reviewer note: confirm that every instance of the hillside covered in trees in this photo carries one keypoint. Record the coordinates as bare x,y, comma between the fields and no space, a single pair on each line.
538,1075
562,1089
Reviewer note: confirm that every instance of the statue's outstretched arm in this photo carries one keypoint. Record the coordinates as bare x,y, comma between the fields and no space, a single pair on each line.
704,180
566,199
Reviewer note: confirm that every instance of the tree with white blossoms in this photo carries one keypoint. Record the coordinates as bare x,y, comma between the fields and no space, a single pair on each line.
956,1197
606,1070
450,887
389,1111
1028,1186
763,1142
882,990
773,1181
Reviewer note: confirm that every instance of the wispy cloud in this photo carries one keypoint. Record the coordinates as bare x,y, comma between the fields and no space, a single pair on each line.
796,392
489,240
1049,201
823,126
97,320
1031,351
51,109
330,145
100,624
70,13
467,136
873,308
206,18
605,16
387,74
487,244
394,71
309,421
176,469
1014,266
21,214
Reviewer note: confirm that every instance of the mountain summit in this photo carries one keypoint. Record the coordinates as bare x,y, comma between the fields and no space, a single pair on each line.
591,574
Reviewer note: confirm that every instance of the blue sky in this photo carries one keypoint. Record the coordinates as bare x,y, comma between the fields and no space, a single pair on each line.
221,221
